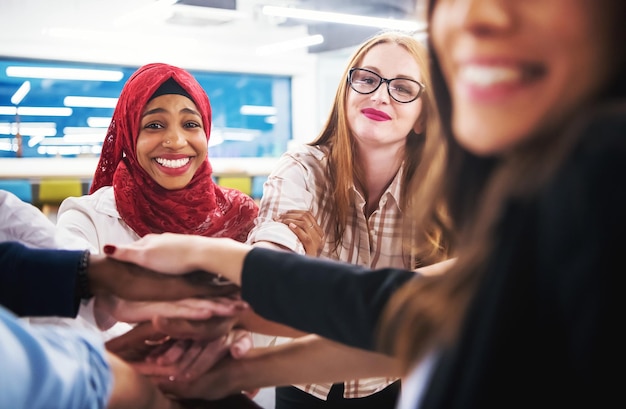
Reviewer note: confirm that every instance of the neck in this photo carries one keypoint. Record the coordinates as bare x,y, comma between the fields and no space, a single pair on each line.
379,168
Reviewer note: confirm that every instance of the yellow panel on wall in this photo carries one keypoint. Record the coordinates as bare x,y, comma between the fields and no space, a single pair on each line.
54,191
242,183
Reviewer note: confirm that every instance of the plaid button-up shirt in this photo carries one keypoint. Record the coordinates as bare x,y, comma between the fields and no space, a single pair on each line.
376,241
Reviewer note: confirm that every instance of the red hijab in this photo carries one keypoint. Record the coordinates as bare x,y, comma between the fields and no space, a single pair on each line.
201,207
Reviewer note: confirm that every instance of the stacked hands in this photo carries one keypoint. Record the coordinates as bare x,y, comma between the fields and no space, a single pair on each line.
191,322
191,325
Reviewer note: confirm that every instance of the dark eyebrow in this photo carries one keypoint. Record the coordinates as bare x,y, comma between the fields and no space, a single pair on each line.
160,110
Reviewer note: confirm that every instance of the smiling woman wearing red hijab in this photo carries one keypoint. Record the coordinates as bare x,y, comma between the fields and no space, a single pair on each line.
154,176
167,188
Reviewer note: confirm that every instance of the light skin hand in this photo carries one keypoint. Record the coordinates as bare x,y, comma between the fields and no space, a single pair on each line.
309,232
187,360
191,308
309,359
181,253
134,391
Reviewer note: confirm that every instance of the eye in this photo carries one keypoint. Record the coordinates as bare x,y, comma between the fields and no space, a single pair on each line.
153,125
404,87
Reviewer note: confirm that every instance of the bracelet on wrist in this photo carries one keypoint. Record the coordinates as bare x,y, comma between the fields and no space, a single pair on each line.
82,280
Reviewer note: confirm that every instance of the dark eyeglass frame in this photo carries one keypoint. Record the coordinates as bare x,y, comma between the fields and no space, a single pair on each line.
422,87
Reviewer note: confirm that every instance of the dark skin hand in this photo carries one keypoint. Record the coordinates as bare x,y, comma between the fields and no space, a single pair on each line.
304,225
134,283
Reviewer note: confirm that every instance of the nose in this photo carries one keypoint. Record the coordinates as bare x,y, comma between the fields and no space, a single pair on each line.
484,17
381,94
173,139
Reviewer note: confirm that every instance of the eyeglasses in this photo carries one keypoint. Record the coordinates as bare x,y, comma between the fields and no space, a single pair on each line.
402,90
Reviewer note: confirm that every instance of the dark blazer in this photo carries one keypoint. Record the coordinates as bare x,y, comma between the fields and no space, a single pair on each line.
38,282
544,327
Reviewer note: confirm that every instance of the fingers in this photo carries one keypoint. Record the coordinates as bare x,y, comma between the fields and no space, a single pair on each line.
191,309
132,345
195,363
241,343
210,329
306,228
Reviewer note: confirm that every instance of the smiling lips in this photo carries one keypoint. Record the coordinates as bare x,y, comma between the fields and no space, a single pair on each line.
375,115
174,167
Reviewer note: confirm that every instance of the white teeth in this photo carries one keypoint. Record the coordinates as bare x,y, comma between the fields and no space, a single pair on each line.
485,76
172,163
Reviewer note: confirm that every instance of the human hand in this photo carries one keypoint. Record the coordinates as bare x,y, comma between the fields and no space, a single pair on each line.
186,360
108,276
304,225
182,253
218,382
190,308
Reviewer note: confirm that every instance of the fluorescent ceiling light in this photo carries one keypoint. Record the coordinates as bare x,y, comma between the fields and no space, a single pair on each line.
330,17
83,130
99,121
29,128
63,150
89,102
257,110
35,111
20,93
8,111
8,146
290,45
57,73
34,140
84,139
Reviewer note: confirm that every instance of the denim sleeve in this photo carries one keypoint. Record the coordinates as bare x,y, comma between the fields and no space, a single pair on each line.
48,366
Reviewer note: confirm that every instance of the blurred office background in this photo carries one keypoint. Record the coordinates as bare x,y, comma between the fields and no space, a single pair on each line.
270,68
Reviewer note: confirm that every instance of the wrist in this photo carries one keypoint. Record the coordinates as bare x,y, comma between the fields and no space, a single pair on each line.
83,289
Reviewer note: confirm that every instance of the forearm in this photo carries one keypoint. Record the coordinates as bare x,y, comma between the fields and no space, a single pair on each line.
132,390
309,359
38,282
226,258
339,301
71,369
255,323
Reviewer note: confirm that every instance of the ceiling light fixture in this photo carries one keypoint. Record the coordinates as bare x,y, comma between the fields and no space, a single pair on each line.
330,17
29,128
261,110
20,93
35,111
89,102
289,45
58,73
99,121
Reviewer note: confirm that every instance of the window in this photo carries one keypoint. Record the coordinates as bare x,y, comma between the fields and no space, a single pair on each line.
251,112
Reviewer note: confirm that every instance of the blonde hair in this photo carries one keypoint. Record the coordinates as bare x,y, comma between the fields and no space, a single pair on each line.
424,233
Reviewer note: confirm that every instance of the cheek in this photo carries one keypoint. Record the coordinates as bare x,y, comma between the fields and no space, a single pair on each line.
199,144
142,151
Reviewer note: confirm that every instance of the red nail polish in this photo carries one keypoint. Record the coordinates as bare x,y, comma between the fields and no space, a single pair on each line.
109,249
